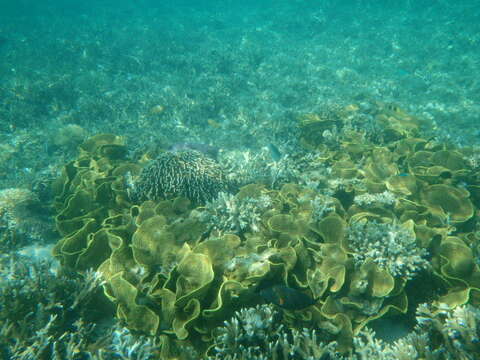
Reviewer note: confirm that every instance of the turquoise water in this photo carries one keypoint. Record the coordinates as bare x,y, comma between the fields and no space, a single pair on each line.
248,65
231,75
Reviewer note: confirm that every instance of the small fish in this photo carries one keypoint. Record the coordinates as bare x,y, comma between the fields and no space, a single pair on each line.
286,297
214,123
392,108
157,109
274,152
402,72
397,112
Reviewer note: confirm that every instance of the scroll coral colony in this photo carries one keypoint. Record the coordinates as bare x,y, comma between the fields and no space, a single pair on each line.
351,251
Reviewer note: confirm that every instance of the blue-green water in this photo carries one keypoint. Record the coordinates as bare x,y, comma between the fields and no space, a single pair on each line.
233,76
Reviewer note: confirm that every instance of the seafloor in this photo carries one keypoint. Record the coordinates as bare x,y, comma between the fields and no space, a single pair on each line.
238,76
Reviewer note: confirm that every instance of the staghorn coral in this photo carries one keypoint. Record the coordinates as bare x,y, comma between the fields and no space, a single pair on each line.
83,342
462,326
321,206
295,166
38,305
49,343
255,334
386,198
441,334
367,347
23,219
184,173
248,167
248,333
124,345
416,346
451,333
45,315
229,213
391,246
306,344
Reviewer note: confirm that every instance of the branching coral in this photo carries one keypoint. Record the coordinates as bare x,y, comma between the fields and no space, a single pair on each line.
184,173
231,214
367,347
123,345
321,206
47,343
23,219
247,334
454,333
441,334
44,315
82,342
385,198
255,333
37,306
306,344
391,246
247,167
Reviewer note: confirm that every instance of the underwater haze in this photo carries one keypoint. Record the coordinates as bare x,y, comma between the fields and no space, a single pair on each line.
213,179
246,65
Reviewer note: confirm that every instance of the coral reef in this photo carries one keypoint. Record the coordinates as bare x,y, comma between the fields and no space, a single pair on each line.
321,206
37,305
352,233
184,173
448,333
236,213
23,219
309,216
248,167
440,334
123,345
248,334
48,315
385,198
254,333
257,106
392,246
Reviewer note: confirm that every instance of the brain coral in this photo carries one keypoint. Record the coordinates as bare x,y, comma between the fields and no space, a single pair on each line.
184,173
